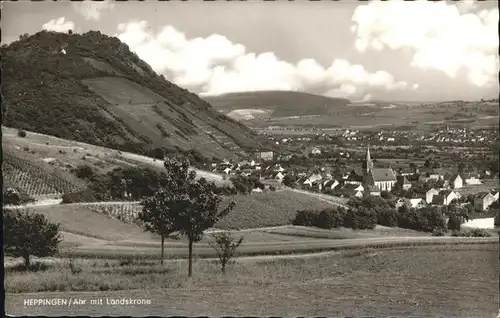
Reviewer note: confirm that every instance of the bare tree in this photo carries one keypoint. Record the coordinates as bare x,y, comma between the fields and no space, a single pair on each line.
225,246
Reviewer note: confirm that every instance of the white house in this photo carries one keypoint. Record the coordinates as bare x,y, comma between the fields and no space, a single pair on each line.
316,151
279,176
257,190
227,170
430,194
456,182
472,179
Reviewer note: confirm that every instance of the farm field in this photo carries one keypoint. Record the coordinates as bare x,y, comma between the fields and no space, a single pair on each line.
96,235
425,281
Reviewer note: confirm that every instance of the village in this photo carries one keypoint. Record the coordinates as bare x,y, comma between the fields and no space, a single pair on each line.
345,172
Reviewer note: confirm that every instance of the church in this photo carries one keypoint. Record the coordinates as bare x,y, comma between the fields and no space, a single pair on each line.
377,179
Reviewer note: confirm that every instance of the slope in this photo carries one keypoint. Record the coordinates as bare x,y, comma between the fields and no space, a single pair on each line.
97,91
275,103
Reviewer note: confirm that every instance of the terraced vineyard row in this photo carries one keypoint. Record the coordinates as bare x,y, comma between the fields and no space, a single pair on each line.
33,179
25,182
126,212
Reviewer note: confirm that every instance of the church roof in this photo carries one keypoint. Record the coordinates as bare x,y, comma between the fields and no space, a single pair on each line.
383,174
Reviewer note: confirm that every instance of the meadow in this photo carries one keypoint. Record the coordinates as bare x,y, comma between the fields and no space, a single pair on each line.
446,280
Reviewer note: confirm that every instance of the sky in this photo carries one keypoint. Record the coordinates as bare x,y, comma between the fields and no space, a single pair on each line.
400,51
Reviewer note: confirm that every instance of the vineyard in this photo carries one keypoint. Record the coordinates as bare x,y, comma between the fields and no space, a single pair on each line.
251,211
126,212
32,179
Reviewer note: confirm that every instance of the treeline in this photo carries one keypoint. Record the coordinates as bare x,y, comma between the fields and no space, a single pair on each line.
367,213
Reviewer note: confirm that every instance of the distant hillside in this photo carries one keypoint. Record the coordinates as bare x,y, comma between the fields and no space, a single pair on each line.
91,88
244,105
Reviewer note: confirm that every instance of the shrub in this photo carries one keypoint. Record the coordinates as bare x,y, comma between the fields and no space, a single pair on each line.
84,172
439,232
360,218
387,217
454,223
272,188
21,133
431,219
11,197
330,218
305,218
475,233
225,246
86,195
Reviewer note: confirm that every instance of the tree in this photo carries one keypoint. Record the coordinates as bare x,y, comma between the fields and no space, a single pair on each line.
454,223
183,204
155,217
27,233
225,246
21,133
289,180
11,197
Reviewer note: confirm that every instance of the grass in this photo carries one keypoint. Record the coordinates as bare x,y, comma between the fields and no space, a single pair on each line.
459,280
268,209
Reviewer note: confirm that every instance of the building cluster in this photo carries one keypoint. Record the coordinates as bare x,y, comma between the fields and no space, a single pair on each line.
367,180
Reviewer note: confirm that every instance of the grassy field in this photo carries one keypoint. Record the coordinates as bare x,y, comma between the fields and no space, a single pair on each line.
451,281
268,209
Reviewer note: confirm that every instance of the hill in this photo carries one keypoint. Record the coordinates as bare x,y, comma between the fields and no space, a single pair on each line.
248,105
40,166
91,88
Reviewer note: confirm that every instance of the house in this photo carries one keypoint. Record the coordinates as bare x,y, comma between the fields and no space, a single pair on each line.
445,197
317,185
456,182
330,184
279,176
264,155
257,190
316,151
278,168
285,157
355,190
471,178
483,201
382,178
312,178
430,194
227,170
403,182
494,193
417,203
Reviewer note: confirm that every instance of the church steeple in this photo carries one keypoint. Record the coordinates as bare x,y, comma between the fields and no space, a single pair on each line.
368,165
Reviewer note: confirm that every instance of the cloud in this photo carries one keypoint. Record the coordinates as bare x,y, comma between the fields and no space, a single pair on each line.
59,25
91,10
442,36
215,65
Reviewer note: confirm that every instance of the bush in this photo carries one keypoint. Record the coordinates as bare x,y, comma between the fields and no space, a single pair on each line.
387,217
475,233
454,223
272,188
84,172
439,232
21,133
431,219
85,195
330,218
11,197
360,218
305,218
